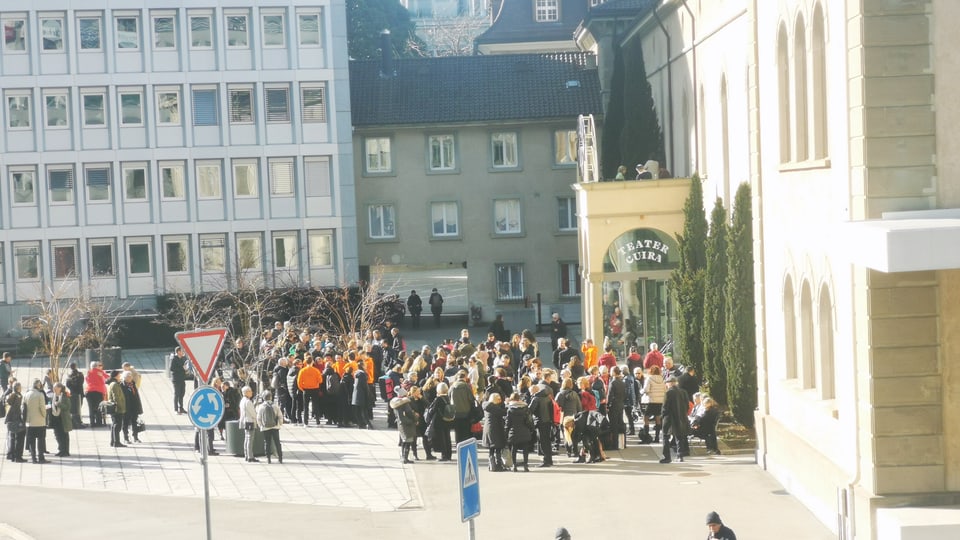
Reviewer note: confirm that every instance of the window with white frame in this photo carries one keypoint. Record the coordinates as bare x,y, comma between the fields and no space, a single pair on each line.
313,104
175,254
172,184
506,216
209,180
445,219
308,24
205,109
24,182
131,106
60,180
168,107
509,282
134,182
316,176
102,260
442,152
213,253
565,147
281,177
98,182
382,221
273,30
547,10
567,213
94,107
51,33
90,32
503,148
278,104
321,248
285,250
237,29
138,257
15,34
18,110
26,257
128,31
569,279
57,112
64,255
201,30
378,158
241,104
245,178
165,31
250,256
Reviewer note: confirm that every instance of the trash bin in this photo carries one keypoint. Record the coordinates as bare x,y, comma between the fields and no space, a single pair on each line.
235,436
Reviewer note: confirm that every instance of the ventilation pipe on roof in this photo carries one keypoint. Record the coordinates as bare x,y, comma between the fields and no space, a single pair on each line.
387,68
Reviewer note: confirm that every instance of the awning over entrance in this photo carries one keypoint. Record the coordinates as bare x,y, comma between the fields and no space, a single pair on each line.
906,241
641,250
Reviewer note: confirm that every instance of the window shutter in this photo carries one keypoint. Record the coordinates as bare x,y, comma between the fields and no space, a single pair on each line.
241,106
98,177
314,108
61,179
281,177
317,177
278,105
205,107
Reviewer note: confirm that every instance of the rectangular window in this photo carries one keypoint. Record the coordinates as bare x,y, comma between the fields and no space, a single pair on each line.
64,261
135,182
27,261
278,105
213,254
378,155
504,150
91,33
57,115
249,253
241,105
570,279
101,259
61,185
316,176
18,112
281,177
14,35
131,108
164,32
285,251
321,248
175,255
98,183
567,214
209,181
273,31
509,282
201,32
442,156
51,32
565,147
445,218
138,257
309,25
238,36
172,182
314,109
168,107
382,221
547,11
128,32
93,110
245,179
205,107
24,186
506,216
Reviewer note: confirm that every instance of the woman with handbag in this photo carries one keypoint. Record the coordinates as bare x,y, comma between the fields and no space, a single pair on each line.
248,419
115,396
134,407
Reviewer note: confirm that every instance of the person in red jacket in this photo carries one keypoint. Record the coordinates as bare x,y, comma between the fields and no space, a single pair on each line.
95,388
653,358
607,359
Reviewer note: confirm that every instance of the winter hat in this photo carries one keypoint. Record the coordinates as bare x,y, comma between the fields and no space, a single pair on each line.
562,534
713,518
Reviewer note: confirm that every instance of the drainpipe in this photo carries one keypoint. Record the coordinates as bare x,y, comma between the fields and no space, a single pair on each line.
696,94
669,85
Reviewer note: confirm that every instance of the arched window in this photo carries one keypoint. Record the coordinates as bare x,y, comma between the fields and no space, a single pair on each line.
725,138
783,73
826,384
819,73
808,368
800,89
789,330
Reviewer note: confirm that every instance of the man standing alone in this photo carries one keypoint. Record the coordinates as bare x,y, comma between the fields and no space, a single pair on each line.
415,306
179,376
436,305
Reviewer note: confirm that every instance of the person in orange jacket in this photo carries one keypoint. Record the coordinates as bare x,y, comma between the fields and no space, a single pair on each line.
589,351
309,380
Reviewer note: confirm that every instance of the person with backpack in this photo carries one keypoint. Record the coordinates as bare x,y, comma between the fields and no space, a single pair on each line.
269,420
406,426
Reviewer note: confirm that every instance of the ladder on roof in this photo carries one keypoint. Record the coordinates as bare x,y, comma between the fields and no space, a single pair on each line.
587,149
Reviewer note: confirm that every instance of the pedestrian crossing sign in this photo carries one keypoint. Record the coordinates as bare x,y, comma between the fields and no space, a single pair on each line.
469,479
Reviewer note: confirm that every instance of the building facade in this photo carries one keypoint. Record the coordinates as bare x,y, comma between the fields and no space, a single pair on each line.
176,147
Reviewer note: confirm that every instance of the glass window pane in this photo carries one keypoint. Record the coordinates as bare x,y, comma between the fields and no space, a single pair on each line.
27,262
205,108
64,262
320,249
278,105
309,29
245,180
168,107
176,256
273,31
18,112
314,109
93,112
15,35
208,181
131,109
101,260
237,35
24,185
57,111
51,31
164,33
90,33
249,252
241,106
139,258
201,35
213,253
128,33
171,178
135,184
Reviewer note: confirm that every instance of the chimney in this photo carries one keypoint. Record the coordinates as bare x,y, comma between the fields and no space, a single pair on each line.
387,69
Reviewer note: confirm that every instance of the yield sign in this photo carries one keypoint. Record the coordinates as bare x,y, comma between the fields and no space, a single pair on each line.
202,347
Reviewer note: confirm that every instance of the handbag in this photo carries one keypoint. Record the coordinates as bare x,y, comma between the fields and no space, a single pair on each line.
476,412
140,426
108,407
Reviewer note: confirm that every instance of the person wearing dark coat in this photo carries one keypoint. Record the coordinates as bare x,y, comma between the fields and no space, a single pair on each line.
60,419
347,382
558,329
134,407
674,420
280,389
361,400
689,382
519,427
415,307
616,400
406,426
586,427
16,429
498,330
718,531
419,405
541,406
494,430
569,402
178,373
438,429
74,383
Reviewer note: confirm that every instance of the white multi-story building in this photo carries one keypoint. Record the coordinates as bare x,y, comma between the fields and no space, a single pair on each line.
173,147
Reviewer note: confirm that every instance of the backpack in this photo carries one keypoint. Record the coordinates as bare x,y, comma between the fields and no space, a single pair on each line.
449,413
267,416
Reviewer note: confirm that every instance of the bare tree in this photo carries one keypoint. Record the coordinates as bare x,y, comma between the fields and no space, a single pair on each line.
57,324
347,311
102,319
451,36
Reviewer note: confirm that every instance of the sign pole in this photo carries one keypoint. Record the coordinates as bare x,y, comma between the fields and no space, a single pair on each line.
471,532
206,480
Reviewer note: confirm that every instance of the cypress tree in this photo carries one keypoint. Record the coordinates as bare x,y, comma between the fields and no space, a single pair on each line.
613,120
641,137
687,280
714,304
740,339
